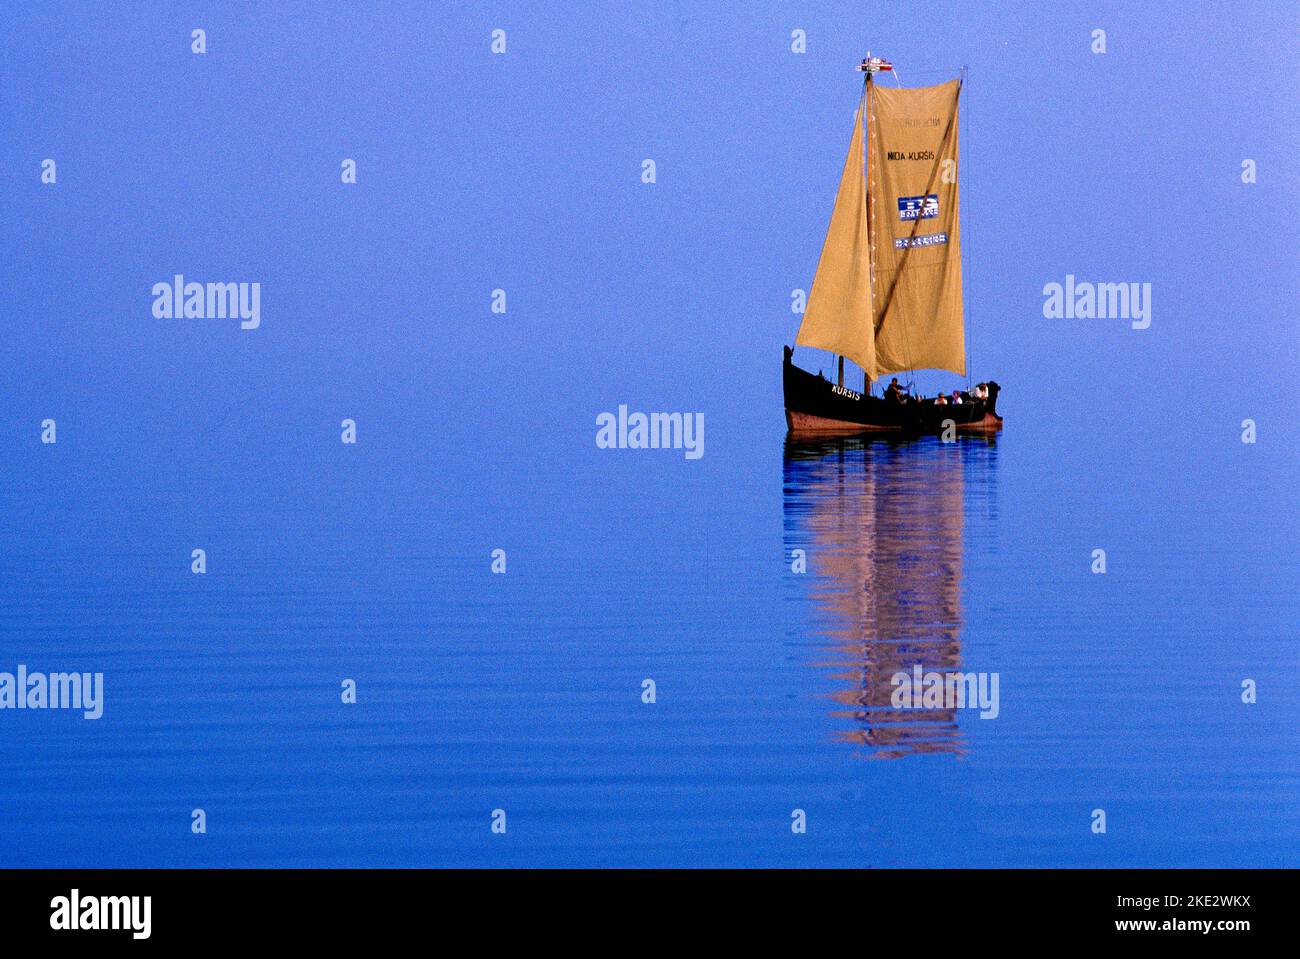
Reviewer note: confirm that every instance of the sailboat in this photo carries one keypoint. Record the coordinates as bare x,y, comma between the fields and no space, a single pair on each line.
888,290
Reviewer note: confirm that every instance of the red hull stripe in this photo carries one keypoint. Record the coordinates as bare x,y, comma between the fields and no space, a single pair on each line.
808,423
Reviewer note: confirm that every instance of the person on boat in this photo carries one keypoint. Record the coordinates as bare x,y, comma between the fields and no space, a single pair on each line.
895,392
980,393
941,400
956,398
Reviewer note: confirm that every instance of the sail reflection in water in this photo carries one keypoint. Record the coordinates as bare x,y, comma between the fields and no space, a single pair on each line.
881,523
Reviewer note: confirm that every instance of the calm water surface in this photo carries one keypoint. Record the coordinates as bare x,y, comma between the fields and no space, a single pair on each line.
476,431
523,691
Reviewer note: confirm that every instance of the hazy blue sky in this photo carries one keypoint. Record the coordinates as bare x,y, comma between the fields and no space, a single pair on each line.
522,172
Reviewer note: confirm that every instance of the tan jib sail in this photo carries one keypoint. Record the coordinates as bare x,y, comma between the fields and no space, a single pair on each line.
912,165
838,314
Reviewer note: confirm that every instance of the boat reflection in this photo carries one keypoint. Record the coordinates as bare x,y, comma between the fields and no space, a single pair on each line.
881,523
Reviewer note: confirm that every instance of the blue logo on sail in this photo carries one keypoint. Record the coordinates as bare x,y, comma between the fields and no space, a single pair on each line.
918,207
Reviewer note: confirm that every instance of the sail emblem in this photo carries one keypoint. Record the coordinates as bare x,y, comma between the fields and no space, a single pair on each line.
918,207
930,239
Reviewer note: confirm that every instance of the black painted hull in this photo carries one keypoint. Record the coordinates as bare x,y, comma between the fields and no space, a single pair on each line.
814,405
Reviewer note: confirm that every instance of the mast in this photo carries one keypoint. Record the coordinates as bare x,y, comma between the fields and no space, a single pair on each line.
870,66
867,382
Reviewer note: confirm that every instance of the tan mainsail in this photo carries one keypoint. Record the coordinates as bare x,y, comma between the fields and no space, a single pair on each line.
912,164
838,314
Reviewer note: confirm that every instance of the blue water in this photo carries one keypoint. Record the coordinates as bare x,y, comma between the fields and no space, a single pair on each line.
522,691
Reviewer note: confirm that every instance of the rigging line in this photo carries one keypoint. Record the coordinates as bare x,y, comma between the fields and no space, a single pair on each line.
964,139
874,235
907,343
865,108
937,71
871,247
907,339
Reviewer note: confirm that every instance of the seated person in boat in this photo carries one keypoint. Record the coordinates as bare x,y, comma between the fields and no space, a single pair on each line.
980,392
956,398
941,400
895,392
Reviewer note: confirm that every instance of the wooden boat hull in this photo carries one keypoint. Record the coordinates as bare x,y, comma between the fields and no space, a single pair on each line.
814,406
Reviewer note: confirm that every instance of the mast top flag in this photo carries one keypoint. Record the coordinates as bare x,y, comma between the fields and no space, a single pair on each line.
887,292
